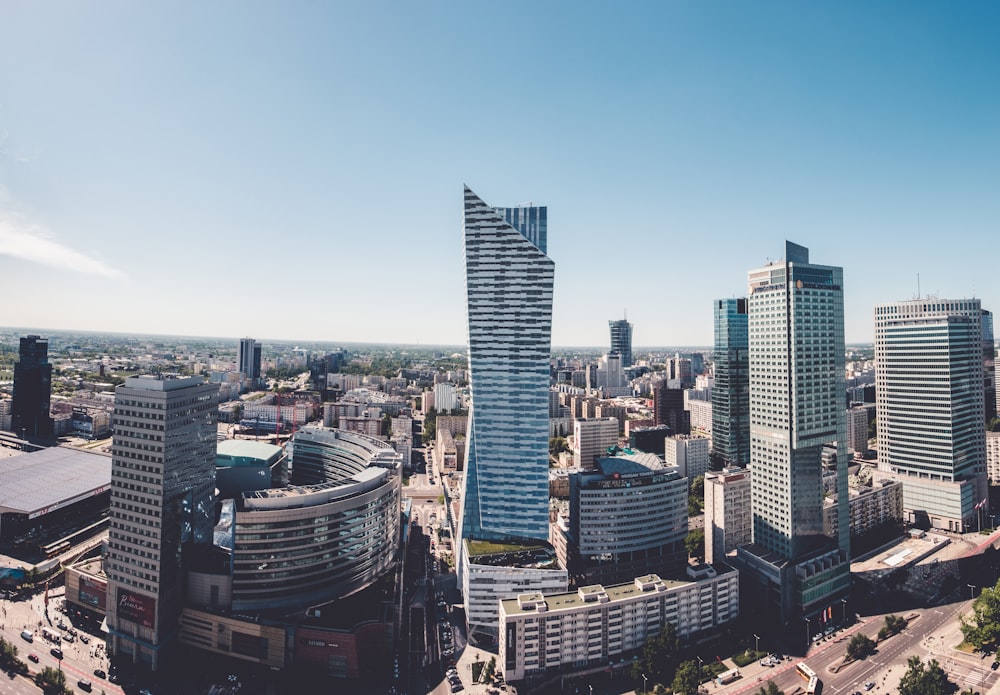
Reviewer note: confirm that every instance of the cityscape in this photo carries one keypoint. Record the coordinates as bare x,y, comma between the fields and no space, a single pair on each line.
282,413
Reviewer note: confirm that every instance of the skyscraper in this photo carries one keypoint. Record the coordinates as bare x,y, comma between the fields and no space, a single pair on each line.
668,409
162,489
930,402
30,416
249,360
797,386
731,393
509,299
621,340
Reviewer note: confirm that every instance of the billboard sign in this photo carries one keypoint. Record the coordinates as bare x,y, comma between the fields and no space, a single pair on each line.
136,608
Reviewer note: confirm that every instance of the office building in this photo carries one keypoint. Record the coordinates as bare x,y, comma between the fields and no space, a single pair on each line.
731,393
857,430
591,439
249,361
611,376
30,417
444,397
162,496
627,517
871,508
595,627
668,409
989,368
796,359
621,340
993,458
727,513
688,454
505,492
929,378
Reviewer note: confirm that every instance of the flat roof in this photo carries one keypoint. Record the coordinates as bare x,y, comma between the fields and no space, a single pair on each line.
246,449
40,482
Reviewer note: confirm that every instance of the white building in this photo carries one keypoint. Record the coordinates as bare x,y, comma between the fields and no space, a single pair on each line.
698,402
993,457
870,508
727,512
444,397
857,430
595,624
591,439
688,453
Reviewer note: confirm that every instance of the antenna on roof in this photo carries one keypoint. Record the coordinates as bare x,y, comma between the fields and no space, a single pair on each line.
918,285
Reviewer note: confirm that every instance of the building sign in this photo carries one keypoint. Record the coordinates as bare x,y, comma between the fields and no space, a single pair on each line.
136,608
628,482
93,593
253,646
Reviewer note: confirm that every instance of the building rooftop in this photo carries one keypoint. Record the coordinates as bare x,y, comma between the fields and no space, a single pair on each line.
43,481
238,452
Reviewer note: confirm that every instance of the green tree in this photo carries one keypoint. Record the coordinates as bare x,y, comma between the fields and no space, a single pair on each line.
698,487
51,681
894,624
695,543
687,679
660,656
557,445
982,628
860,647
771,689
920,681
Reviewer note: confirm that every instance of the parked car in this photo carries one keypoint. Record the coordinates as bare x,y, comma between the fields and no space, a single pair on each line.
100,673
56,652
33,657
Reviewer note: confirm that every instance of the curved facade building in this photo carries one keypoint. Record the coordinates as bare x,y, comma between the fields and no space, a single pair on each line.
332,533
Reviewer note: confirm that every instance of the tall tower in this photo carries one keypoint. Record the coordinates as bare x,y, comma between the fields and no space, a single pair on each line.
30,416
509,301
621,340
930,403
249,359
162,489
731,393
797,385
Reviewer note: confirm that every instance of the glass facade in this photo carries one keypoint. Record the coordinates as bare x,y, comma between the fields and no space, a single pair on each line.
731,393
509,300
621,340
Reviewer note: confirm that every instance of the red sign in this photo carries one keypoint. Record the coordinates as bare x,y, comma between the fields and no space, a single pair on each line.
136,608
93,593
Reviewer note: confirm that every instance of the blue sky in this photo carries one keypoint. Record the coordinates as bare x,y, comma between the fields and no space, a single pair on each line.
295,171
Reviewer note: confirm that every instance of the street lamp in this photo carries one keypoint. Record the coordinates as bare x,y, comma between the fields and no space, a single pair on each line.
808,622
972,590
643,683
699,669
843,603
756,643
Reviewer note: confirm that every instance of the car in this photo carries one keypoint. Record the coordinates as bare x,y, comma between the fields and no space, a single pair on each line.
33,657
84,684
56,652
69,638
100,673
869,685
27,636
995,665
84,639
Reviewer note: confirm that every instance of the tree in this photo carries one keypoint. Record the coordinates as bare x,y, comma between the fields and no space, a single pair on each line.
860,647
982,628
919,681
557,445
660,656
894,624
772,689
687,679
51,681
698,487
695,543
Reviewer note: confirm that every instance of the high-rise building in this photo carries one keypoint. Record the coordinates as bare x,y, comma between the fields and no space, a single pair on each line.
611,376
857,430
30,417
797,384
688,454
444,397
591,439
668,409
929,389
162,490
731,393
509,295
249,360
621,340
989,367
727,513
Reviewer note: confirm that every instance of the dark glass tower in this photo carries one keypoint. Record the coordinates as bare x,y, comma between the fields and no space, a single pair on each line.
621,340
731,392
32,390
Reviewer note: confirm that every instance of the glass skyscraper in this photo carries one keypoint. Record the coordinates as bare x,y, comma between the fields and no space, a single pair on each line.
621,340
509,300
731,393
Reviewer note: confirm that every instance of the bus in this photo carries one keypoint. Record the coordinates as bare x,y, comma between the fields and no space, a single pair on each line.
53,549
813,687
813,684
727,676
51,635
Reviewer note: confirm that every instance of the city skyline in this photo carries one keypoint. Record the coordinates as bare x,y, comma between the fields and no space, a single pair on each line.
704,134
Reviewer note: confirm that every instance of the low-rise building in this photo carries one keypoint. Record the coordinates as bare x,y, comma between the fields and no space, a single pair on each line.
544,633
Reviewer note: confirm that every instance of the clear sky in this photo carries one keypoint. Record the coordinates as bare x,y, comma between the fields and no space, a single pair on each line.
295,170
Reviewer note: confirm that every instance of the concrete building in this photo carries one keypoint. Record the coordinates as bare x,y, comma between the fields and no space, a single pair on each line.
668,409
688,453
597,625
857,430
162,502
591,439
871,507
248,361
929,376
727,513
444,397
795,321
627,517
993,458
